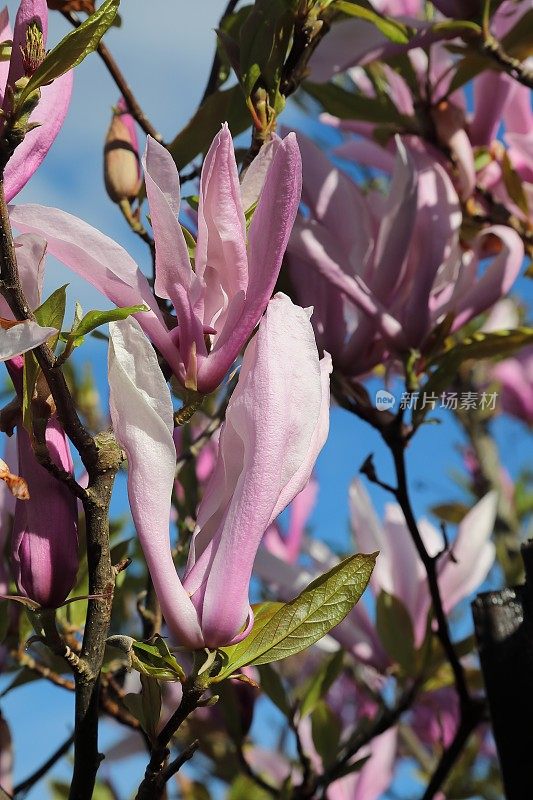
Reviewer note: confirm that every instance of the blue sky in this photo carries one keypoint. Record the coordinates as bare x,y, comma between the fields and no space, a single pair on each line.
165,49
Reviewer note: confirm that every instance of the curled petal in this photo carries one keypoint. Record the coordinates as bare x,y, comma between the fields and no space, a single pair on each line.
266,454
101,262
267,239
142,414
21,337
473,553
49,117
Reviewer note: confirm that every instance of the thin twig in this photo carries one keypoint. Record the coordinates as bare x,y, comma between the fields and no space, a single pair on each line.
174,766
213,80
25,660
152,786
397,448
131,101
385,719
491,47
101,457
469,722
252,774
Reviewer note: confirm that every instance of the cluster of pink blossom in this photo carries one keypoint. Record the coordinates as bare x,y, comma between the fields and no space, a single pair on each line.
375,277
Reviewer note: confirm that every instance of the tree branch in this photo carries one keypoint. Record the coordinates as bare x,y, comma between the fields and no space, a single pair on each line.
102,457
491,47
122,85
153,785
212,81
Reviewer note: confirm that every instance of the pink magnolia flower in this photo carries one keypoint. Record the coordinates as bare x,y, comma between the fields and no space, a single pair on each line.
399,570
353,42
496,96
515,376
266,454
375,777
372,780
53,105
7,511
220,301
44,546
436,717
383,272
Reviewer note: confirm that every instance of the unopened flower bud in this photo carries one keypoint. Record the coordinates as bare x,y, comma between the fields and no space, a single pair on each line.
122,172
45,537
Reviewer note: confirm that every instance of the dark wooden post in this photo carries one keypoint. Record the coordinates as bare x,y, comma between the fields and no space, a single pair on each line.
504,629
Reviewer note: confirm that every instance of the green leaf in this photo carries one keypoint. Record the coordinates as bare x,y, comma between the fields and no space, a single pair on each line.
390,28
93,319
51,313
395,629
320,683
272,686
154,659
348,105
513,184
326,732
518,42
482,158
476,346
264,41
243,788
146,706
73,48
283,630
450,512
6,48
223,106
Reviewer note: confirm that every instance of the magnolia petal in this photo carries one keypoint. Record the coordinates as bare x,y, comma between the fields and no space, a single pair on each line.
267,239
142,414
221,259
366,153
397,225
21,337
312,247
163,192
491,95
473,553
45,546
336,202
28,11
253,179
49,116
100,261
175,279
497,279
266,454
6,34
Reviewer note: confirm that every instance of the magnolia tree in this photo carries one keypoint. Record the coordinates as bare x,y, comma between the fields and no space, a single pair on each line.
381,269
